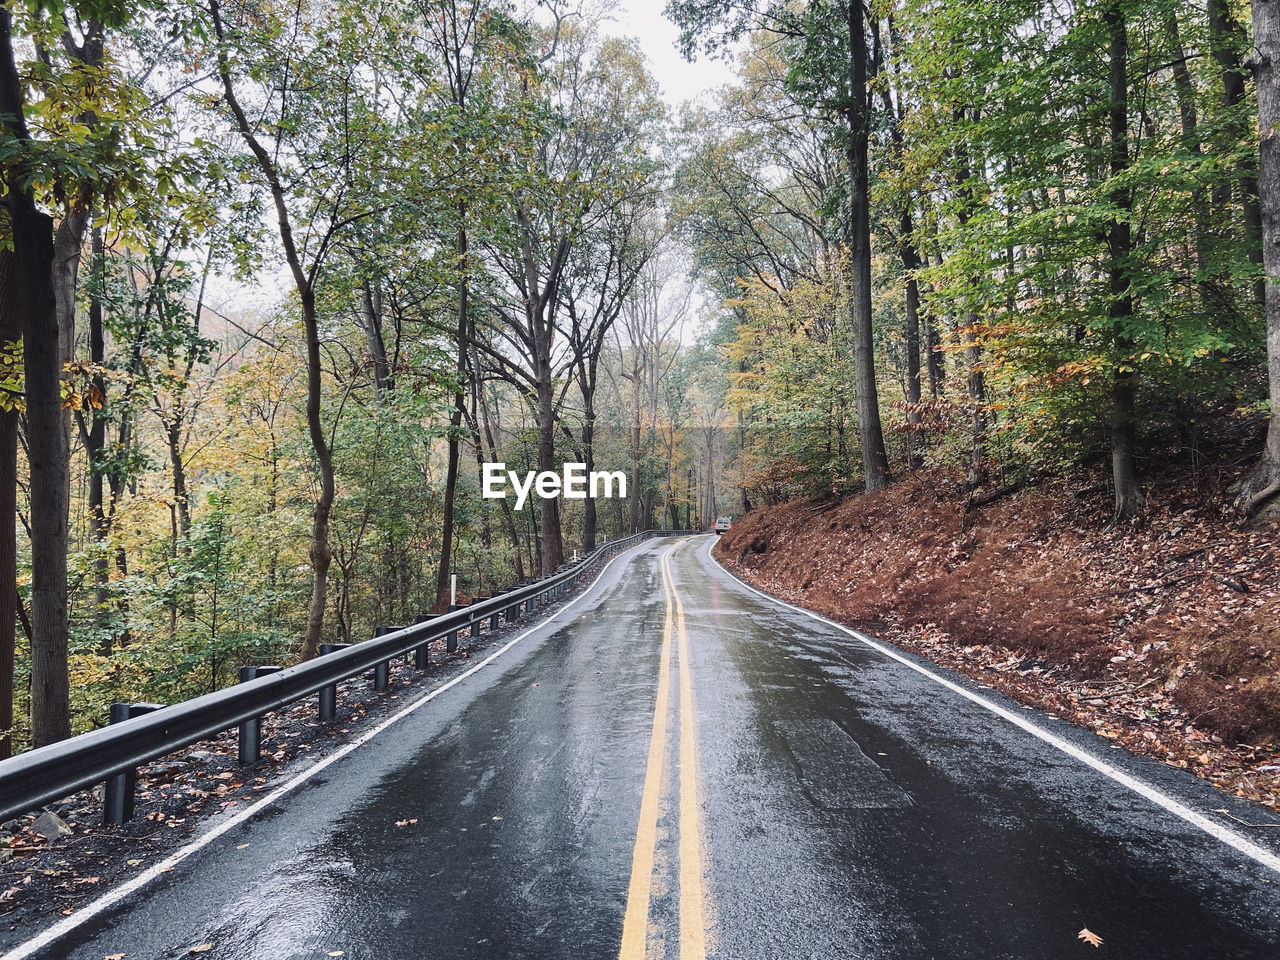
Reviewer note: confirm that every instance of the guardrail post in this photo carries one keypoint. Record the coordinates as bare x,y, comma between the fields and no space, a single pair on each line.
118,793
383,631
329,695
251,729
382,671
421,655
451,640
477,624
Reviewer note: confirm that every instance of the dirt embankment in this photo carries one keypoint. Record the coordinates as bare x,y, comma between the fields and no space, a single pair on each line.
1164,636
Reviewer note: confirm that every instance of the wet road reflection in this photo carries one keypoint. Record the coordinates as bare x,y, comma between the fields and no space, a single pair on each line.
844,806
918,827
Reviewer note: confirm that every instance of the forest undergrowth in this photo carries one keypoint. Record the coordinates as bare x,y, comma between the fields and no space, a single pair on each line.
1162,634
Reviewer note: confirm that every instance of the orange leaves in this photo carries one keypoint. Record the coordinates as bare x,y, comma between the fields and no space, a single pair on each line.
82,386
1162,640
1082,369
1089,937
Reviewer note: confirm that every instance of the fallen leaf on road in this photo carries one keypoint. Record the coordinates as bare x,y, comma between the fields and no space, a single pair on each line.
243,846
405,823
115,956
201,948
88,880
1089,937
335,953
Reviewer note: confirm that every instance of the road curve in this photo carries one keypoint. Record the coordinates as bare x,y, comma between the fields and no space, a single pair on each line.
678,767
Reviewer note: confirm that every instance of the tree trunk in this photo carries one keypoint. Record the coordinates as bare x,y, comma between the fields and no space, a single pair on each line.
95,441
1184,88
929,336
552,555
1262,486
47,453
975,471
911,263
8,571
455,418
933,327
32,237
182,508
977,383
319,552
633,446
589,519
371,306
875,461
1226,37
10,334
68,244
1128,499
508,518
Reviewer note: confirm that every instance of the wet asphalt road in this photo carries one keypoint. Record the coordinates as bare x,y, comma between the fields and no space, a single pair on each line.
807,797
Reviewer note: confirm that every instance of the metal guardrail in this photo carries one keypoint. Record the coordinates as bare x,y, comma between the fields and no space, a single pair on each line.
51,773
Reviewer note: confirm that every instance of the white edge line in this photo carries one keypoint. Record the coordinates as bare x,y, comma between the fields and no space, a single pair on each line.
29,947
1211,827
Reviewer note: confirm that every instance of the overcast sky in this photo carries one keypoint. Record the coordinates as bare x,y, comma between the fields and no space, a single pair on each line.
679,79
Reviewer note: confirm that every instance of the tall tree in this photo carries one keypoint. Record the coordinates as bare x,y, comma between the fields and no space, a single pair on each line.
10,351
1227,39
1124,470
830,72
591,100
857,113
1262,486
594,296
456,31
317,155
35,305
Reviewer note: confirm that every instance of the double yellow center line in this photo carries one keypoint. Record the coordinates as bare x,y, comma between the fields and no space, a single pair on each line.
635,924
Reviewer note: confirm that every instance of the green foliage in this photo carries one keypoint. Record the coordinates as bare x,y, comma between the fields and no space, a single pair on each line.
1026,234
796,386
396,131
12,377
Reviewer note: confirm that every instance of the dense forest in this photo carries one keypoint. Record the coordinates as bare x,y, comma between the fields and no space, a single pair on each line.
278,279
